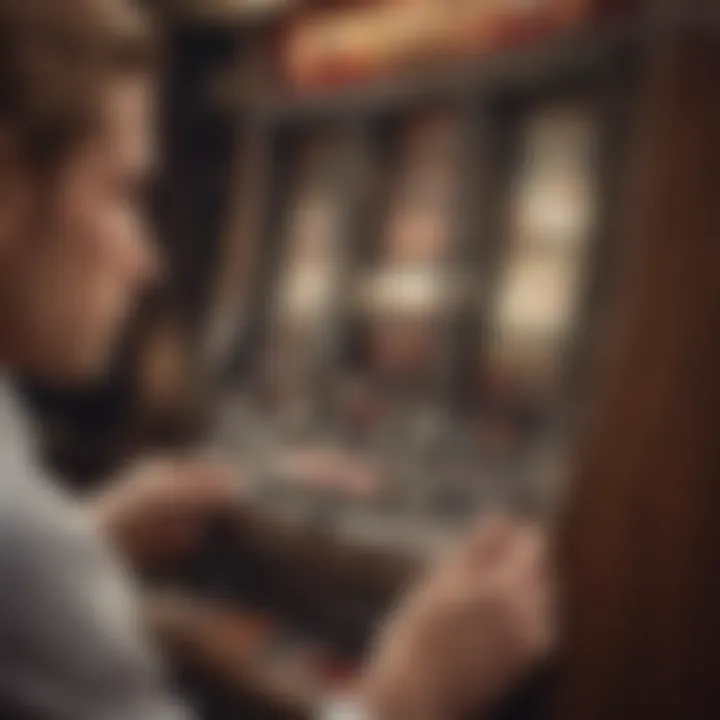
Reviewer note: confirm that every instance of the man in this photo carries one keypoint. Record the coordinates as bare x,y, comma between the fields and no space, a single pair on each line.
76,151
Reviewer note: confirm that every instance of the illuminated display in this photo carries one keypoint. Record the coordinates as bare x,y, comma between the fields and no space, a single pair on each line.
408,291
551,223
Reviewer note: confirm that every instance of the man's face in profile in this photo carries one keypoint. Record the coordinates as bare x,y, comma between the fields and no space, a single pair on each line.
74,247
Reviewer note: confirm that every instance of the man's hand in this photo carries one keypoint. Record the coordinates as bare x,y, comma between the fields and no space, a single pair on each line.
158,510
470,630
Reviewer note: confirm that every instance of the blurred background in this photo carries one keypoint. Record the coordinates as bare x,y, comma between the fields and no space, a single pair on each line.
394,228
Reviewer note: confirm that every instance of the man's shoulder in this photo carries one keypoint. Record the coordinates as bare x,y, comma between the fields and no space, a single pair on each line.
38,522
27,497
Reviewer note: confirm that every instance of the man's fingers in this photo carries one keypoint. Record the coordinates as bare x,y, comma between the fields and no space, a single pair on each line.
521,588
510,567
202,484
490,539
522,557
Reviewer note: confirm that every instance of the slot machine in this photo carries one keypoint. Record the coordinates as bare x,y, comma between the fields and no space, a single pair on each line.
425,305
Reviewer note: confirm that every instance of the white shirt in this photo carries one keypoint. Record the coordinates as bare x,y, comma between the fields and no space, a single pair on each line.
71,641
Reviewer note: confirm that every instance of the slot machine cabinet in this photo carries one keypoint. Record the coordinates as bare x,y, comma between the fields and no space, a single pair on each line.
640,537
505,388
